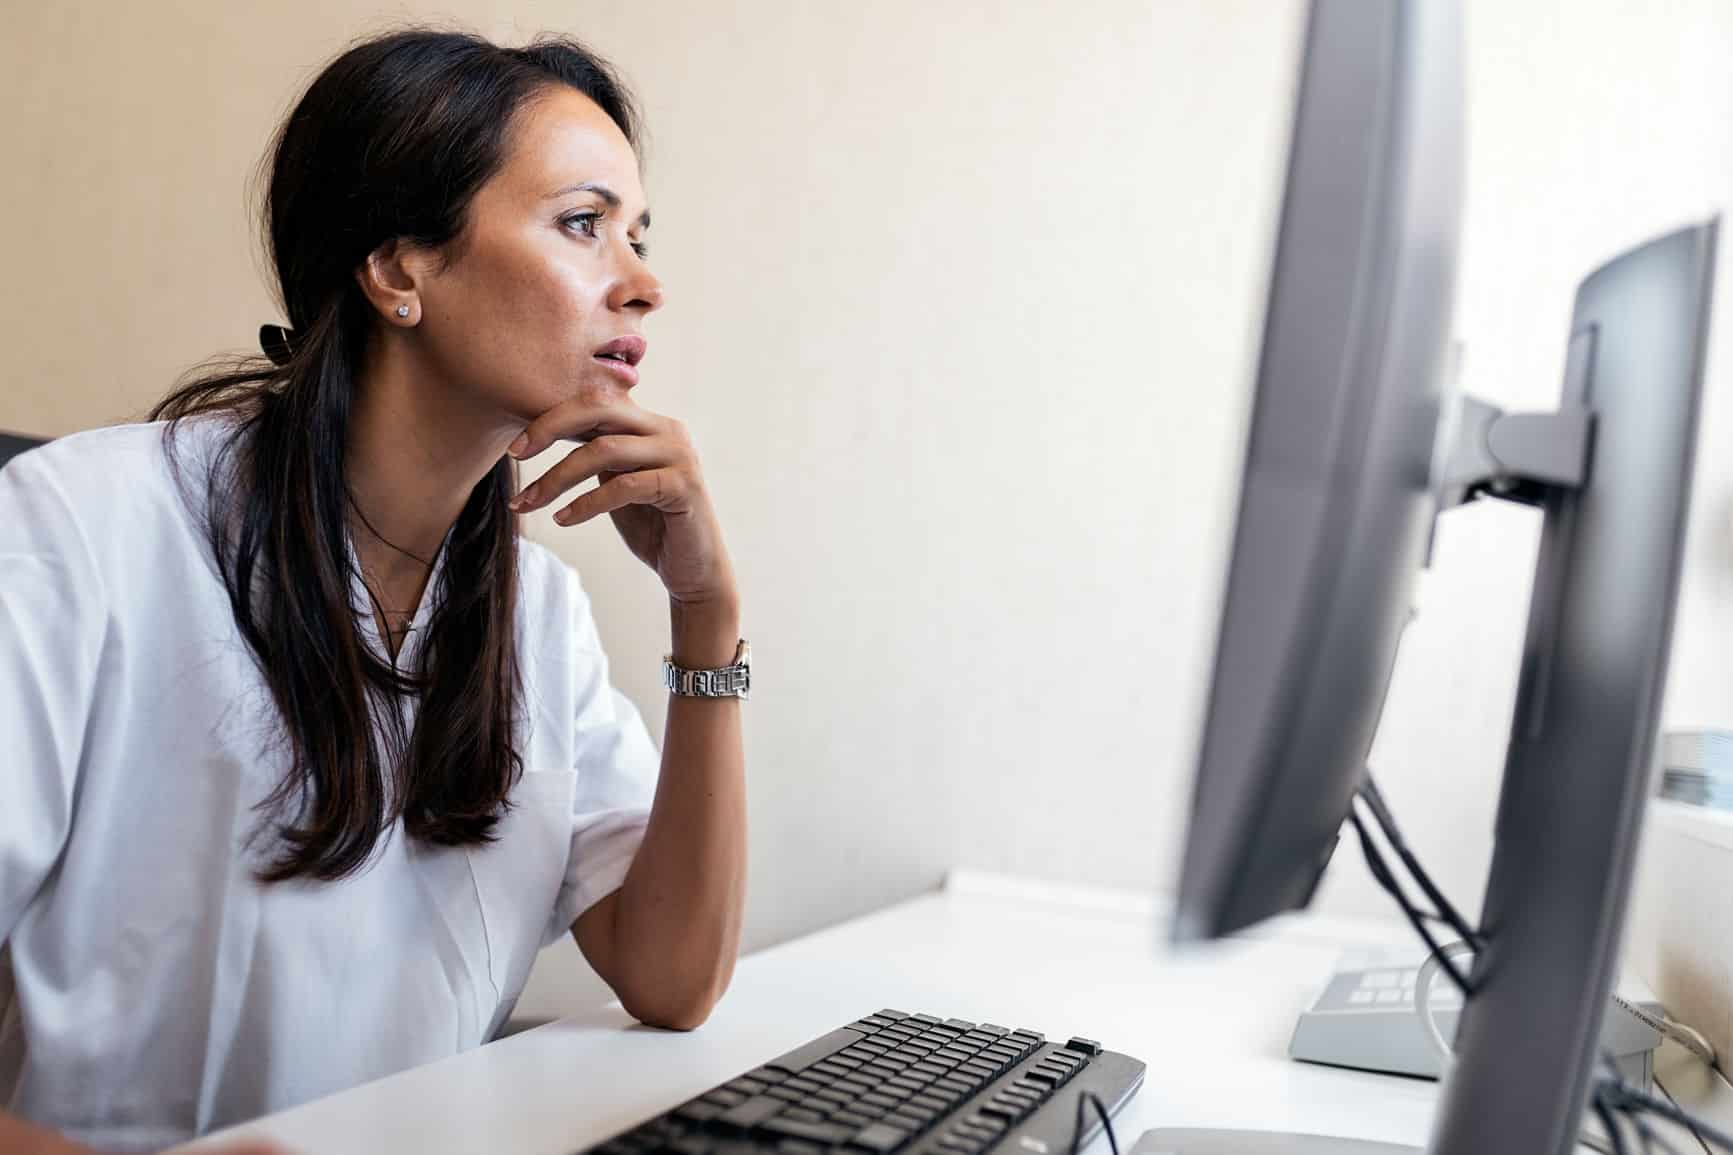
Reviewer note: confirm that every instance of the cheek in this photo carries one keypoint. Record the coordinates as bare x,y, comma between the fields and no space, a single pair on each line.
521,339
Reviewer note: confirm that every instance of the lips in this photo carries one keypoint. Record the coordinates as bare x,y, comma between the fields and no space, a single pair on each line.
628,350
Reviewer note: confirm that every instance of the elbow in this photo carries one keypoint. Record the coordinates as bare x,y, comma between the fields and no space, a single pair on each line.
685,1013
670,1016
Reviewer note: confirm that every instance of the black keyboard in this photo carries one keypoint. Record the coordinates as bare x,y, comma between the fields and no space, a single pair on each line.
894,1082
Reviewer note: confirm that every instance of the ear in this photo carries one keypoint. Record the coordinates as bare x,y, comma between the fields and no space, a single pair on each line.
391,278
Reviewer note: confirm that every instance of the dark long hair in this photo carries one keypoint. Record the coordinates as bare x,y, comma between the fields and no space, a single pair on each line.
391,140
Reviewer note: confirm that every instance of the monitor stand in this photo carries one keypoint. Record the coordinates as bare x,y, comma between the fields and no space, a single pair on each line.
1185,1141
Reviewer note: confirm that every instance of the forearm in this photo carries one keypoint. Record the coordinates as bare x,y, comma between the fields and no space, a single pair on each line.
20,1138
680,908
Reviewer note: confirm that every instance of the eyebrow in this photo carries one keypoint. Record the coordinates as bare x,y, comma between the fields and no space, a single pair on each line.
608,195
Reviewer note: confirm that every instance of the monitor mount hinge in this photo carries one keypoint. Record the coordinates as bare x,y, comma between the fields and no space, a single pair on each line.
1521,457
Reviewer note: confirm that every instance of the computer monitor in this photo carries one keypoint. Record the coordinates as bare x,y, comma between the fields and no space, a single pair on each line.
1346,469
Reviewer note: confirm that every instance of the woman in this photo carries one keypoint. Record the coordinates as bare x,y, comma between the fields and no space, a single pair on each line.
309,753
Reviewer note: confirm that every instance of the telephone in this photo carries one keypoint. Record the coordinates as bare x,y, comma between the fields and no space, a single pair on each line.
1365,1019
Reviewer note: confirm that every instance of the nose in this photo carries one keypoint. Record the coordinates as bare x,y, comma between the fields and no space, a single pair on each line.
636,287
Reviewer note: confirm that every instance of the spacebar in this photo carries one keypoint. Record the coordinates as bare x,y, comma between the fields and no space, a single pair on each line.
816,1051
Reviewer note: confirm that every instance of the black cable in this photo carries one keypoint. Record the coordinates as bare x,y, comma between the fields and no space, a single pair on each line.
1084,1099
1646,1134
1393,834
1612,1100
1416,917
1614,1136
1619,1097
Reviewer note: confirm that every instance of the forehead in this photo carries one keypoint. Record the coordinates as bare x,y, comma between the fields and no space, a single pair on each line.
562,137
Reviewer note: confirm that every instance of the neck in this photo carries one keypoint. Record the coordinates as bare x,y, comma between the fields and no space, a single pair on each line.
415,454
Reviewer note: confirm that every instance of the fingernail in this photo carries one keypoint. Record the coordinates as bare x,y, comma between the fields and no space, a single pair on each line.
522,443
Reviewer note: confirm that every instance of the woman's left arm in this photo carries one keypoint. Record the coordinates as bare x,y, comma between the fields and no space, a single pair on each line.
667,939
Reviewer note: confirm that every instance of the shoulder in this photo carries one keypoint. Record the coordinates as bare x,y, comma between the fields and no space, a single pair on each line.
119,483
106,464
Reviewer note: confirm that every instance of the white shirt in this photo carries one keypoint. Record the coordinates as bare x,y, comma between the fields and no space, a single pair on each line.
150,988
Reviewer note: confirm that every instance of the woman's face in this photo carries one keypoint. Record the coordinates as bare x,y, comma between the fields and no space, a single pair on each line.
548,269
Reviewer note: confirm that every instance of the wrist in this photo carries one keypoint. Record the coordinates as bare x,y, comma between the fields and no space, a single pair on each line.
705,634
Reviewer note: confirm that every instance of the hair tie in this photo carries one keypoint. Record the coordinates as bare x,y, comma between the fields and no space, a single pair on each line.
278,343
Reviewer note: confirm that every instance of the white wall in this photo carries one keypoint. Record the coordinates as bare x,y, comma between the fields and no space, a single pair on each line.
1592,127
963,310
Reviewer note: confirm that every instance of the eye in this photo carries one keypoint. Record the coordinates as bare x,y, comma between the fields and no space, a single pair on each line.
585,221
586,224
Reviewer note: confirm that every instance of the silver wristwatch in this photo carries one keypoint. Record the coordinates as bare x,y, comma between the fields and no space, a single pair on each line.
732,681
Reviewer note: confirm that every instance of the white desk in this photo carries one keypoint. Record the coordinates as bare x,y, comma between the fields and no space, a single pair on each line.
1212,1024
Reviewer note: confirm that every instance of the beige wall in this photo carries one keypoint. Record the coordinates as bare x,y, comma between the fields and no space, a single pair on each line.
963,305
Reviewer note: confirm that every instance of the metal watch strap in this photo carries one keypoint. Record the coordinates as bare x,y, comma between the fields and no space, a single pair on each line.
732,681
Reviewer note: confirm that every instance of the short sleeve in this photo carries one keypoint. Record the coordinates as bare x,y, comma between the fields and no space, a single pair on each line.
617,767
52,626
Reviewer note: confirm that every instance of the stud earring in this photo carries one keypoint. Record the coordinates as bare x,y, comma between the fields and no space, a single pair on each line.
403,310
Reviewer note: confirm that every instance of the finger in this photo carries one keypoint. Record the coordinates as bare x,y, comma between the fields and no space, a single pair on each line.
663,488
581,418
620,453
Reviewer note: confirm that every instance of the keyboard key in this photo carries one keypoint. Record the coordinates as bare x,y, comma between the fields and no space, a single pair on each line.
699,1111
1003,1111
725,1098
878,1100
908,1084
816,1051
930,1020
832,1095
993,1029
751,1113
887,1013
851,1118
802,1084
881,1138
746,1085
799,1147
786,1094
804,1114
826,1133
1084,1046
959,1024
